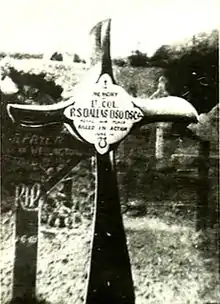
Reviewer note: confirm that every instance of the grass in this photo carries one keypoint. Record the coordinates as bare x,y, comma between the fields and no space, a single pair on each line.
145,80
168,264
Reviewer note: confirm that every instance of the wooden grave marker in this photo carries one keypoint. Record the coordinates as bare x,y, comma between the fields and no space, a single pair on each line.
32,153
102,114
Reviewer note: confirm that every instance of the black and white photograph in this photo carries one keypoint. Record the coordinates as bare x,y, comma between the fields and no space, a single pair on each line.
109,152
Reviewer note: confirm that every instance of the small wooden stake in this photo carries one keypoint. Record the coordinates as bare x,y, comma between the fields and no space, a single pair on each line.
27,218
26,241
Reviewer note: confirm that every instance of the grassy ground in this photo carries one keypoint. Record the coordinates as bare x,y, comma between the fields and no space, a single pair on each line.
167,262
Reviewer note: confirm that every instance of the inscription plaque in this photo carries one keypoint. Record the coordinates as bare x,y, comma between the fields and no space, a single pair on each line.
103,114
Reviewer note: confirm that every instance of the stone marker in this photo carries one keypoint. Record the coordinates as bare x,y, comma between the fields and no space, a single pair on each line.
102,114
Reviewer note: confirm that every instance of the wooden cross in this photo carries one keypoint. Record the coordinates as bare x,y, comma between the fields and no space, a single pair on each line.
102,114
30,192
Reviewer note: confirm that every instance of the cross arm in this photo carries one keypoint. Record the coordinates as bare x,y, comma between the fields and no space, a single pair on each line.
166,109
37,115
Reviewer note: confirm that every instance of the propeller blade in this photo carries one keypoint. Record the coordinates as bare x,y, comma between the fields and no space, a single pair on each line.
38,115
166,109
101,47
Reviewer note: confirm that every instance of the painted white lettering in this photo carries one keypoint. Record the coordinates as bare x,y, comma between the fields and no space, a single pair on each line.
27,240
27,196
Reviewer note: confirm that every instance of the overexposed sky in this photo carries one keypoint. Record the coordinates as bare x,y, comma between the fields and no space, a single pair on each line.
50,25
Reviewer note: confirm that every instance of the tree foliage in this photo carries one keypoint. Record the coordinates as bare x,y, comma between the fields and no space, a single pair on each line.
138,59
194,75
161,56
192,70
57,56
76,58
119,62
18,55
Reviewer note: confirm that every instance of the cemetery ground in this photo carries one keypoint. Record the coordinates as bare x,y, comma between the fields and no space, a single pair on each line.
168,258
171,262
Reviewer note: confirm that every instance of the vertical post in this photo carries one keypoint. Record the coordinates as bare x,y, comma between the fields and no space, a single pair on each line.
203,185
26,241
29,196
110,279
159,145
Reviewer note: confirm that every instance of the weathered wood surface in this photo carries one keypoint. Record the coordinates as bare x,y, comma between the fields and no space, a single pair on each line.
27,199
28,156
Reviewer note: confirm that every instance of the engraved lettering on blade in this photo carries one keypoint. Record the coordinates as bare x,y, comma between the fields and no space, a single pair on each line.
103,114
